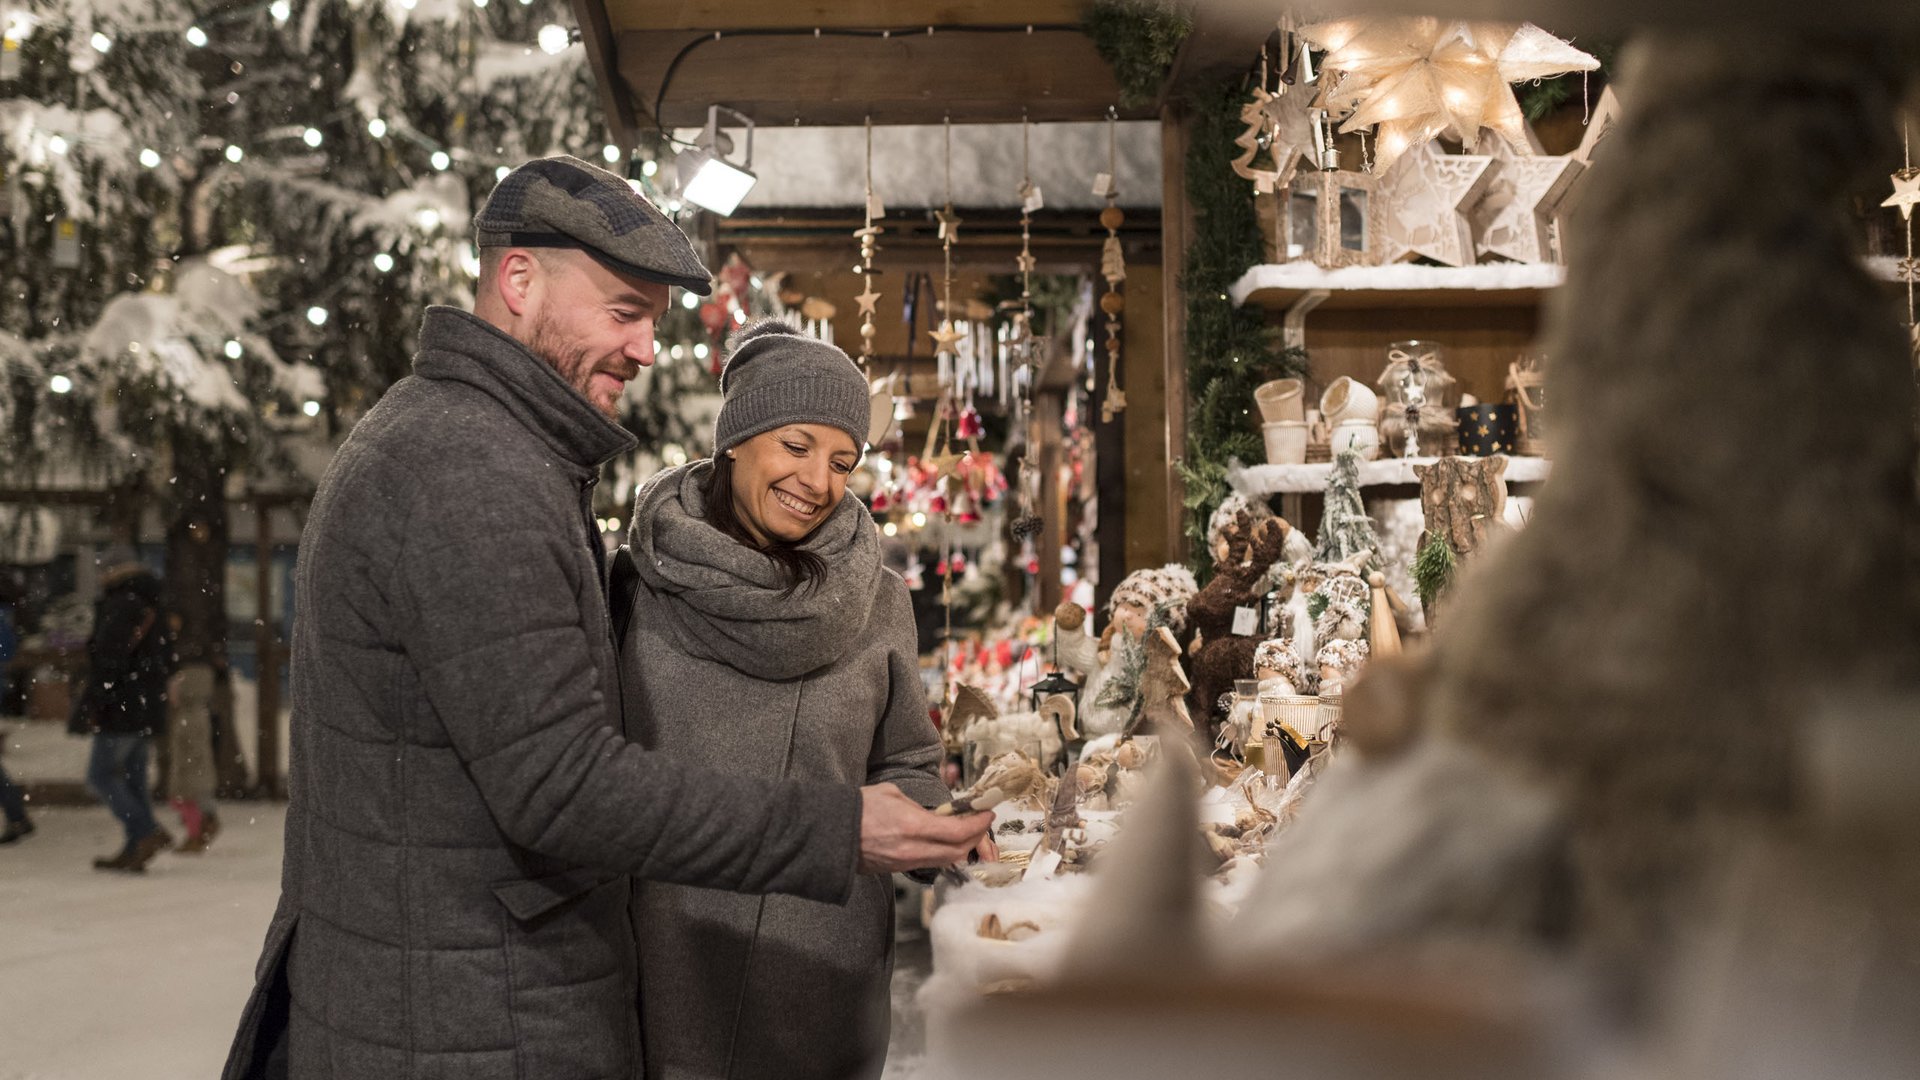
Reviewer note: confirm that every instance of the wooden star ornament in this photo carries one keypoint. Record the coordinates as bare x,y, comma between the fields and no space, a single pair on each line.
1291,117
867,299
1423,203
944,336
1906,192
949,224
1514,219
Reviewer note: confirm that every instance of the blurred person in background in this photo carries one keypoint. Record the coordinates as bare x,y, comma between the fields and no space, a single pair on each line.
191,776
123,702
13,801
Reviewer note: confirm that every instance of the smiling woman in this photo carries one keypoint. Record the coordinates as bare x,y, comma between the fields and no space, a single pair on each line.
765,638
793,413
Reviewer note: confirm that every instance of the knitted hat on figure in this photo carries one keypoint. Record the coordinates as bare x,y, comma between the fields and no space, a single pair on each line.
1169,587
777,375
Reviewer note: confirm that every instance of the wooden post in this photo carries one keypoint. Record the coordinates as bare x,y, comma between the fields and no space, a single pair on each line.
1176,129
267,658
1110,476
1048,406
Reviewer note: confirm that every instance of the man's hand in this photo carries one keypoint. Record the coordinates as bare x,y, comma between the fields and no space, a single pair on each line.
897,834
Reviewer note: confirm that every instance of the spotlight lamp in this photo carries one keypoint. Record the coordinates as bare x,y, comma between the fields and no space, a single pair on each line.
708,179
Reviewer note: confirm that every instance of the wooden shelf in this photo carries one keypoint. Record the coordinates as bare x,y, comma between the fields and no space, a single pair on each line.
1403,285
1312,479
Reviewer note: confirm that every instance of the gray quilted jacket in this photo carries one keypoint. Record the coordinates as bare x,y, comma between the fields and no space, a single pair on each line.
465,805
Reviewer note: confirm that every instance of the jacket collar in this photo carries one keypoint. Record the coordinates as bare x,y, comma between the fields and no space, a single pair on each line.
459,347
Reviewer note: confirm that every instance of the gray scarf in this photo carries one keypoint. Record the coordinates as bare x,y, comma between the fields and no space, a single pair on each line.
724,597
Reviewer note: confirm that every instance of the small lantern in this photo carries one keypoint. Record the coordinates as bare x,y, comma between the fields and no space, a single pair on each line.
1329,219
1057,682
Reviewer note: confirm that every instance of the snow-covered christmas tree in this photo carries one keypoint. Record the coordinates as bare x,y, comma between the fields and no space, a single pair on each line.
220,224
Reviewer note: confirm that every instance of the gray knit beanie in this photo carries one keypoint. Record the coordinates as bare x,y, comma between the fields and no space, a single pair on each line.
777,375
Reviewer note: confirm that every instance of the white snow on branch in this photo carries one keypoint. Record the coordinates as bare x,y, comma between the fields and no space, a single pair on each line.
176,339
499,60
29,128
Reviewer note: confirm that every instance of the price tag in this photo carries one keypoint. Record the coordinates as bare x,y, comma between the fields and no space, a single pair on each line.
1103,185
1043,864
1030,198
875,208
66,244
1246,621
9,59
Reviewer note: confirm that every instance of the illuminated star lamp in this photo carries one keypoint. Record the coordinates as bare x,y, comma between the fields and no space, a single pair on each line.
1415,78
709,180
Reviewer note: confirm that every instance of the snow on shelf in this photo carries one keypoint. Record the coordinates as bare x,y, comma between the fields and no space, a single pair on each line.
1293,479
1280,284
1884,267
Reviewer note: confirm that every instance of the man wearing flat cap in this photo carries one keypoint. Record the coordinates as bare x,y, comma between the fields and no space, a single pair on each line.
465,809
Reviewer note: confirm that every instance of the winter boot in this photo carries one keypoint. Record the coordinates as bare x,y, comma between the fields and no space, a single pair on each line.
115,862
148,846
202,840
15,830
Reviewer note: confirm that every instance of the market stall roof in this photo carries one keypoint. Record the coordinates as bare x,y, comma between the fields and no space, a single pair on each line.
1589,16
815,62
824,166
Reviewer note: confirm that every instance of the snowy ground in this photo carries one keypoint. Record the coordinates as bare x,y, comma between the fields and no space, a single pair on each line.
111,975
116,975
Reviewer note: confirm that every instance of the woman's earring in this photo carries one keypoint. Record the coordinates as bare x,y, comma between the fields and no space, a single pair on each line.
730,455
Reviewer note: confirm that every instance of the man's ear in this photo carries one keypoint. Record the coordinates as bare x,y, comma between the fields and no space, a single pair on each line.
518,280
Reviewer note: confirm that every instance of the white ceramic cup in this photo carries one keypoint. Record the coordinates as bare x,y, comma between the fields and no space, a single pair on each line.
1349,399
1281,399
1360,436
1286,442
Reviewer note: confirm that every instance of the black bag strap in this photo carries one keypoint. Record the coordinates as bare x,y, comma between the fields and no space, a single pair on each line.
623,583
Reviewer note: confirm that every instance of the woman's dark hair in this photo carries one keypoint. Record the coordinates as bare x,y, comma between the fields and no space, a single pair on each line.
804,569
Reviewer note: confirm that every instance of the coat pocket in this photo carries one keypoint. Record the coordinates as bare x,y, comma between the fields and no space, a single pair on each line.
529,899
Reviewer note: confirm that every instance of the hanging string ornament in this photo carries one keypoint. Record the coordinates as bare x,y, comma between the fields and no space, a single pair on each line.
1906,195
1417,77
1113,267
945,336
869,237
1020,343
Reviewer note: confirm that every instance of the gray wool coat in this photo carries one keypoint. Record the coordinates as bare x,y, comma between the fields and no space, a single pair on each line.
465,809
723,672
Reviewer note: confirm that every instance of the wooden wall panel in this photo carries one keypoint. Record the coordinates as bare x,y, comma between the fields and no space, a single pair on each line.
1144,378
1480,343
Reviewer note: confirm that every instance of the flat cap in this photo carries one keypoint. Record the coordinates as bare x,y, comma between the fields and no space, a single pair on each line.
563,202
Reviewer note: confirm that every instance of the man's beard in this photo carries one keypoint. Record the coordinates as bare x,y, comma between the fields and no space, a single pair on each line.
567,359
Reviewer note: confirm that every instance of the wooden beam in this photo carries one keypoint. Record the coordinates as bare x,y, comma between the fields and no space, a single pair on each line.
616,98
1176,227
1143,376
1049,406
1110,470
844,14
1049,75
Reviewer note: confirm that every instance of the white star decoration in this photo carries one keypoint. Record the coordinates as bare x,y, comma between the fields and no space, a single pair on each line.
1291,115
1906,192
1515,217
1423,202
1416,77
